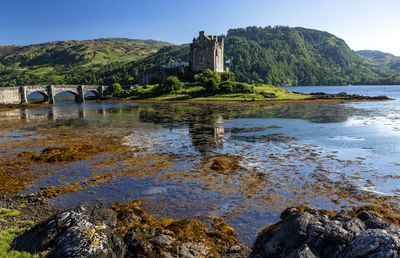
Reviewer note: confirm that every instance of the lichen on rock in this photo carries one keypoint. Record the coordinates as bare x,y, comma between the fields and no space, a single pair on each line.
82,232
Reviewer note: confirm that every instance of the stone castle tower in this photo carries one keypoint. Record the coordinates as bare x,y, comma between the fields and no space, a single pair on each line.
207,52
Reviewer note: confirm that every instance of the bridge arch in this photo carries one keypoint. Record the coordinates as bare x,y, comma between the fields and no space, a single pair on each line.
75,95
57,89
30,94
88,92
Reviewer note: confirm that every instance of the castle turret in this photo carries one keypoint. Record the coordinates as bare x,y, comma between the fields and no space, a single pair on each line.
207,52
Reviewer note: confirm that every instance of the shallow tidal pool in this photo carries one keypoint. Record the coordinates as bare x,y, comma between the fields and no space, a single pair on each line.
244,162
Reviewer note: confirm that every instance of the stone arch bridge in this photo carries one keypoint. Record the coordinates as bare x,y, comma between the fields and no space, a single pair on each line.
19,94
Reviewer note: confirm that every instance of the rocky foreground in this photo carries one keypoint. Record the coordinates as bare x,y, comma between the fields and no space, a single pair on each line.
126,230
304,232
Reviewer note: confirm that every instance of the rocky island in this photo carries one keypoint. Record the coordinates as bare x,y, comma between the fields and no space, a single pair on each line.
204,78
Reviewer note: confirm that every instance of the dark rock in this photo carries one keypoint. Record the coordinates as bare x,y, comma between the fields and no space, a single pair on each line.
269,95
345,95
301,93
311,233
354,226
317,93
302,252
136,247
366,215
374,243
82,232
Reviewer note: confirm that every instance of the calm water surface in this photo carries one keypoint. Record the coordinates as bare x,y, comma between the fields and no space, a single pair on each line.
327,155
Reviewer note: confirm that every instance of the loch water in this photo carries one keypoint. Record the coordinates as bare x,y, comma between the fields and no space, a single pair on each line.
327,155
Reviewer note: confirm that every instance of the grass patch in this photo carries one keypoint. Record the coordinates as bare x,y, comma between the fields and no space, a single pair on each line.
8,235
192,92
8,213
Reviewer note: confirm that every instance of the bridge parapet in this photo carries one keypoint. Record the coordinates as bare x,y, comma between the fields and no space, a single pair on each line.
19,94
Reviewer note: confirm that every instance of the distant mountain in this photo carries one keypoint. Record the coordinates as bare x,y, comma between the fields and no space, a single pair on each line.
54,61
386,61
273,55
87,52
373,53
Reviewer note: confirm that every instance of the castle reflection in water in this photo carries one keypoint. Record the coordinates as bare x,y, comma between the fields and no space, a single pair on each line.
206,136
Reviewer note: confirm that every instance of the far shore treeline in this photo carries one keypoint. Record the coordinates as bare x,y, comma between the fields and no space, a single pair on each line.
271,55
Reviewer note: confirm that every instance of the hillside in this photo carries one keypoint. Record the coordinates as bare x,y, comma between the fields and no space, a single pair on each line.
54,62
271,55
279,56
388,62
295,56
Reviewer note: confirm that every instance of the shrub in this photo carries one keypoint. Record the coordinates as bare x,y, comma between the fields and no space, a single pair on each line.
227,87
209,80
244,88
236,87
171,84
225,76
211,85
116,90
136,90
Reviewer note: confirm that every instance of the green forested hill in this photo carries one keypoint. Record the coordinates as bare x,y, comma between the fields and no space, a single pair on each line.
295,56
272,55
281,55
55,62
389,62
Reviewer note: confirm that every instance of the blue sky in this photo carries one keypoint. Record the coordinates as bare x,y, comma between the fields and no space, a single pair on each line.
363,24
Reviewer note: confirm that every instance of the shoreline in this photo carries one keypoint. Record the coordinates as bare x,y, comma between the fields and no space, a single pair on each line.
249,101
7,107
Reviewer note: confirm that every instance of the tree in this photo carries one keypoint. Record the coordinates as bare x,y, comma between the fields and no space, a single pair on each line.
208,79
116,90
171,84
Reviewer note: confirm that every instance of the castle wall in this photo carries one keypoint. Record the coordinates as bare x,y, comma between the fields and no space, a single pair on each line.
146,77
161,73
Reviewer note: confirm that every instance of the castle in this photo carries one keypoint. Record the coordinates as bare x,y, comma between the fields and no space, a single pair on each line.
206,52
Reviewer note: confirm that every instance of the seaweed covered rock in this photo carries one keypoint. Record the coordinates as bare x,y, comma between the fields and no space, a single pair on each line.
145,236
126,230
345,95
82,232
71,153
304,232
